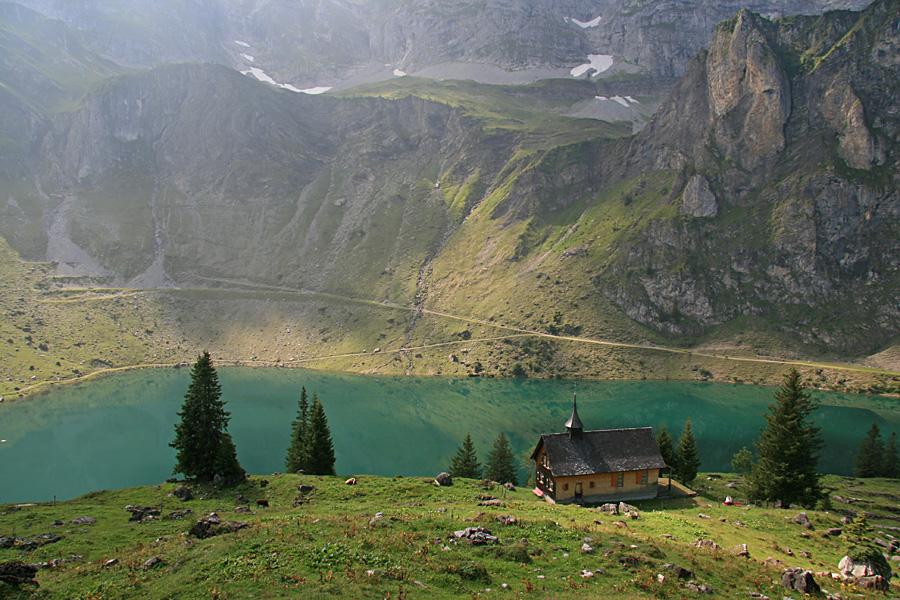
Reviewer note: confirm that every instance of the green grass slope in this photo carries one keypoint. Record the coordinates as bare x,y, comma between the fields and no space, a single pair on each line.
394,538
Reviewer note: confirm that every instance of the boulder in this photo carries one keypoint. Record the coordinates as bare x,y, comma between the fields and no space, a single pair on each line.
306,489
802,520
679,571
183,492
151,563
740,550
211,525
84,521
875,582
701,543
475,535
509,486
17,572
609,508
494,502
443,480
507,520
856,569
801,580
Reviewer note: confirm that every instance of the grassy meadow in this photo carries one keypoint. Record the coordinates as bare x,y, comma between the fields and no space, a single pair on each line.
393,538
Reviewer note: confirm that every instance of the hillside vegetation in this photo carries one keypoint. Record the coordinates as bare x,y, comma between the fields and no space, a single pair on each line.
394,538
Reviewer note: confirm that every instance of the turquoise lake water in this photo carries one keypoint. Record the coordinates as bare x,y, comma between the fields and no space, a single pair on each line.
114,432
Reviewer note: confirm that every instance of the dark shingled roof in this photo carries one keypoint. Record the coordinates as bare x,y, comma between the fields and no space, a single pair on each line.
605,451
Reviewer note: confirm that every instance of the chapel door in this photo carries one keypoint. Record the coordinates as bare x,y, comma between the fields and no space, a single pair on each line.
578,490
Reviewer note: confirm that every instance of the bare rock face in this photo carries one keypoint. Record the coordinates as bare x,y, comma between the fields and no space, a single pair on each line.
748,90
698,199
843,110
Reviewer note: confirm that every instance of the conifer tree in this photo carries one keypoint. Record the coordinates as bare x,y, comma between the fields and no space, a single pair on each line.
742,462
890,467
465,462
294,462
862,547
667,449
870,458
203,446
687,458
787,449
227,464
318,455
501,466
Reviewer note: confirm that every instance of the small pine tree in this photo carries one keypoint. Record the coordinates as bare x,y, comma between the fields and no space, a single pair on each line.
227,464
742,463
862,548
501,462
787,449
667,448
870,457
465,462
688,459
318,454
293,462
890,466
202,444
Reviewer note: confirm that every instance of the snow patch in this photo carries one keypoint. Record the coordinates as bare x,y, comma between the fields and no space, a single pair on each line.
264,77
585,24
260,75
601,98
315,90
597,62
240,43
620,100
247,57
630,99
399,73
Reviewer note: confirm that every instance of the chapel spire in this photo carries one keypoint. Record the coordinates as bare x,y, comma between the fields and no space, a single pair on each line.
574,427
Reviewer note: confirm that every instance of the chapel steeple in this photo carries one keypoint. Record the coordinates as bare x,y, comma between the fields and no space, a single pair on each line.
574,427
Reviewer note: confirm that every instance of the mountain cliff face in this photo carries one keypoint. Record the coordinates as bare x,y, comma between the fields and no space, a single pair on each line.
762,195
784,142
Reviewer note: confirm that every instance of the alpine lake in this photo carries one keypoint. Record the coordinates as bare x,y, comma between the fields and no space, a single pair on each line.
115,431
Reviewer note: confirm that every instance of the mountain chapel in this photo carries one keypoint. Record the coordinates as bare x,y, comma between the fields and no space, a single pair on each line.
597,466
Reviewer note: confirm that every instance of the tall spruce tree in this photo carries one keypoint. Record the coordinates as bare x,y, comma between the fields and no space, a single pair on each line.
870,458
294,462
318,455
202,443
687,458
787,449
890,466
501,463
667,449
465,462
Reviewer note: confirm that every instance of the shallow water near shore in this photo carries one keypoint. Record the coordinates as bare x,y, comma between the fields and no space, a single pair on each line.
114,432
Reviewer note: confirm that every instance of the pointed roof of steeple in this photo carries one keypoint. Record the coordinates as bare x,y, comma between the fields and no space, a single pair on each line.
574,424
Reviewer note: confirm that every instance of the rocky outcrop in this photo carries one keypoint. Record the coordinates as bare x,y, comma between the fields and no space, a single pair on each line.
844,112
749,92
698,199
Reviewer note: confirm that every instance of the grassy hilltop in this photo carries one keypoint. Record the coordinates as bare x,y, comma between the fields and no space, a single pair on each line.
392,538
